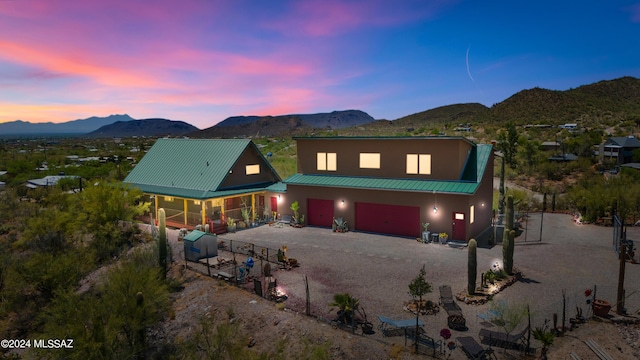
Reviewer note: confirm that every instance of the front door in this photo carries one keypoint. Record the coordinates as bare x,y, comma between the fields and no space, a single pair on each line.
459,231
274,204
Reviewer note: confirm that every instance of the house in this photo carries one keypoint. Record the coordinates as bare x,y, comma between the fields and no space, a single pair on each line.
392,185
618,149
200,181
550,145
50,180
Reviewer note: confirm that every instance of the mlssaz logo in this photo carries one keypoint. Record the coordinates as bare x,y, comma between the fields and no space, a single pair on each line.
53,344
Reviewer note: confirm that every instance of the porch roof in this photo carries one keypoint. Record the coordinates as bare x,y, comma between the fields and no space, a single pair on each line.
193,168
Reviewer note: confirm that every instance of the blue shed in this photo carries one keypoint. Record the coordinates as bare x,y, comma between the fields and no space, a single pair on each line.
199,245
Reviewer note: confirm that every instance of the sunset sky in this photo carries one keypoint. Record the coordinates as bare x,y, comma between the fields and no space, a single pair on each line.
202,61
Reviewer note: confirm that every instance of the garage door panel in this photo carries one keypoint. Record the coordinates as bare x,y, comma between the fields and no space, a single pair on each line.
320,212
388,219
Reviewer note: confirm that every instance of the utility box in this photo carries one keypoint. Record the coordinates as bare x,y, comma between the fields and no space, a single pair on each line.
200,245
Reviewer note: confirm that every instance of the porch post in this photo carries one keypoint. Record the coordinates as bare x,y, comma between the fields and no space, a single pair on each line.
184,206
204,211
155,198
253,206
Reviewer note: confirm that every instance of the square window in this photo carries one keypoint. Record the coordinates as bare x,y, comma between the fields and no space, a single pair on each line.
322,161
425,164
252,169
370,160
412,163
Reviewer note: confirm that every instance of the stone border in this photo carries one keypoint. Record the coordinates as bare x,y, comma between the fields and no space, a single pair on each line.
486,295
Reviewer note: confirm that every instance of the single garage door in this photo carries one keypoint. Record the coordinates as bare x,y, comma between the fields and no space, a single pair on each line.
320,212
388,219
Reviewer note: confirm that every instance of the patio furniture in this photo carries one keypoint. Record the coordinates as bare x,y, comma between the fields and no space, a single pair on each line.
391,327
504,340
474,350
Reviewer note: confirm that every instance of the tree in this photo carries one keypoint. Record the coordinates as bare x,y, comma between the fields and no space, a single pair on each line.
417,289
508,316
109,203
508,144
545,336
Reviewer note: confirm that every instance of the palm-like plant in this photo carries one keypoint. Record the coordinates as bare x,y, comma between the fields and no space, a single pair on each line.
545,336
346,305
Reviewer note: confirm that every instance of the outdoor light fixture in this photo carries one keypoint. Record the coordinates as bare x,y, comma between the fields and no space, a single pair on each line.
435,206
342,202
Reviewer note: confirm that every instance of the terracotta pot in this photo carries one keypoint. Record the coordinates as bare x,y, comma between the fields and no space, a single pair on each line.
601,307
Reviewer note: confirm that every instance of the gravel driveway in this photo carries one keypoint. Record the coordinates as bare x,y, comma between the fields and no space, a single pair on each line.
378,269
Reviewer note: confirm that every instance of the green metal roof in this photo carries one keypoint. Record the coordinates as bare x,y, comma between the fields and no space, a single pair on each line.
190,168
358,182
194,235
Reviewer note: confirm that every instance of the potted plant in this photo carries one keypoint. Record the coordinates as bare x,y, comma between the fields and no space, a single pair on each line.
231,225
295,206
601,307
443,237
425,232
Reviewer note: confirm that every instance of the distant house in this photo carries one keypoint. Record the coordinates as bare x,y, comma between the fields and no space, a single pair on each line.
563,157
568,126
550,145
200,181
618,149
50,180
392,185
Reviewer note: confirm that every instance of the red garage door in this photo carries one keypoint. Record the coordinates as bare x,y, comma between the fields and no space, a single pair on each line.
320,212
388,219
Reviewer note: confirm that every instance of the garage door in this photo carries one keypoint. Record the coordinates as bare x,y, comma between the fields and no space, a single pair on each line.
388,219
320,212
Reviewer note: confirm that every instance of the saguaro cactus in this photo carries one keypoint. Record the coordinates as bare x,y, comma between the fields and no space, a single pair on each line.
162,241
507,242
472,269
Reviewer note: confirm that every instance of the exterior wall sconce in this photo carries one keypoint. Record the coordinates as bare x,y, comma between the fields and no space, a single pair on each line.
342,202
435,206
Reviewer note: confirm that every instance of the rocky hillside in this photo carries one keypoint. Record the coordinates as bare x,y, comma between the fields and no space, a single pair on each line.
144,127
240,126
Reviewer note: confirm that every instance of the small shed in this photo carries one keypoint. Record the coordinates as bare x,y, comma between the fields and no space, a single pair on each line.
200,245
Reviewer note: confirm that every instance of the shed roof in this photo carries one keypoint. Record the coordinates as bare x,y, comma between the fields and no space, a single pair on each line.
195,235
190,168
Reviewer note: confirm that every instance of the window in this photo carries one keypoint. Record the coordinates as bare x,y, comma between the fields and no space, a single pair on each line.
253,169
370,160
419,164
168,198
327,161
472,214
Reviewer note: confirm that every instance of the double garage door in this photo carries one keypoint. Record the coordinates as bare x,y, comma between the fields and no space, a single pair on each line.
377,218
388,219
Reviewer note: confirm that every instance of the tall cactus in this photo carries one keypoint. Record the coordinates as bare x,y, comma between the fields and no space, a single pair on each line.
472,269
162,241
508,255
508,238
501,198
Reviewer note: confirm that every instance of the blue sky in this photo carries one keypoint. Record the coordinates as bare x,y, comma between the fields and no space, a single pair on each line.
203,61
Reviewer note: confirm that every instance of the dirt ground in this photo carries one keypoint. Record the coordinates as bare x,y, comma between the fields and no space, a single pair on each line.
265,323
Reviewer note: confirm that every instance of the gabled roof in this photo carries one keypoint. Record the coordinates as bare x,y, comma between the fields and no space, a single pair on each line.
191,168
624,141
462,186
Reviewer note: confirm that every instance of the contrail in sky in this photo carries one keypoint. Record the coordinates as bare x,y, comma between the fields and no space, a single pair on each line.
469,70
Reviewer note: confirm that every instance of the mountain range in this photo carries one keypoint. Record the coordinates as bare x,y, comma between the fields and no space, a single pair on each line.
608,101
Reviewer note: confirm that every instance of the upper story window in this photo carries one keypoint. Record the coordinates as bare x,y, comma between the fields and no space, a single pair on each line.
370,160
419,164
327,161
252,169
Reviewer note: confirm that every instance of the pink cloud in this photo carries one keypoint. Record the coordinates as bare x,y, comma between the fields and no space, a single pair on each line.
333,17
635,12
